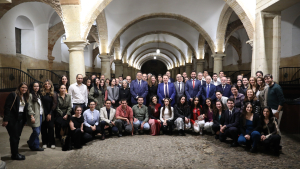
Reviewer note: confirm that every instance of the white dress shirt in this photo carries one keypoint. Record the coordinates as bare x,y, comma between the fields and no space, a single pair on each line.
79,94
215,83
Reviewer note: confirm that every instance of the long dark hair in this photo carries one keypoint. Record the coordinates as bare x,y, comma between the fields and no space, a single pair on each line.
25,95
263,117
36,95
215,109
262,87
96,90
237,87
85,79
169,106
60,81
243,114
179,105
206,108
152,105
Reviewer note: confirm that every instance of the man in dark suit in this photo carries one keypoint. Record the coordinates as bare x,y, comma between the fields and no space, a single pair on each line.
208,91
192,88
229,124
179,87
171,80
138,88
200,78
166,90
225,88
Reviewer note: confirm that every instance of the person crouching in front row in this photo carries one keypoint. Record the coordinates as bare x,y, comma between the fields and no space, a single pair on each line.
108,119
91,120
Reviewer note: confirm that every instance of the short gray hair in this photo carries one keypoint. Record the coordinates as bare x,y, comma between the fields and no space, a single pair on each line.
125,81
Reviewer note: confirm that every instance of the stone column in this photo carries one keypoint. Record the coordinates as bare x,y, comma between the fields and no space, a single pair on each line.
173,73
119,68
177,71
130,72
182,69
188,69
105,66
125,70
200,65
276,47
76,58
218,62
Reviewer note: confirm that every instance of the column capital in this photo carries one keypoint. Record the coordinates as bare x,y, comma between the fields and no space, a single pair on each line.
76,45
218,55
200,61
250,42
188,64
105,58
118,62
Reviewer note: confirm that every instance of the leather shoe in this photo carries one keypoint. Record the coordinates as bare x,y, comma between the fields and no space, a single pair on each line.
253,150
103,137
234,144
18,157
120,135
37,149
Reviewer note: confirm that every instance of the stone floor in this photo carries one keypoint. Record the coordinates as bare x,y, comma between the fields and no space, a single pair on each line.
144,151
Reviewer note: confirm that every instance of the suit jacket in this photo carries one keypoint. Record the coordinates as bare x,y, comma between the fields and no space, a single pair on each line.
226,91
203,82
137,90
172,80
179,93
113,96
112,115
230,121
211,95
161,93
191,92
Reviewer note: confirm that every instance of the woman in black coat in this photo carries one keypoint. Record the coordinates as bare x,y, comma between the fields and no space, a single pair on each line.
251,97
219,109
124,92
182,115
152,88
15,110
49,101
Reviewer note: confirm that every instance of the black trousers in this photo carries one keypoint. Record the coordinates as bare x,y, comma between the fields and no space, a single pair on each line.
47,132
231,132
168,126
91,132
274,140
14,129
216,127
111,130
79,138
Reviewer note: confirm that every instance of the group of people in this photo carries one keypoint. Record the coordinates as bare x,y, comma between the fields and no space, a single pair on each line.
248,112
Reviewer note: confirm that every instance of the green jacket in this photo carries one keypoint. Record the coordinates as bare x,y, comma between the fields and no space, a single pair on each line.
64,106
275,96
34,109
140,113
98,99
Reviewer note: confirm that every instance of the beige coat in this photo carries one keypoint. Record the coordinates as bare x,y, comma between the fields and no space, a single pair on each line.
34,109
263,97
103,115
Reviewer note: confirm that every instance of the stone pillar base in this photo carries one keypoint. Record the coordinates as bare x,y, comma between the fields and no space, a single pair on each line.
218,62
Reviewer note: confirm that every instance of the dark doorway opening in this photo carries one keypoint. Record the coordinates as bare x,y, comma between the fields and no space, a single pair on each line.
154,67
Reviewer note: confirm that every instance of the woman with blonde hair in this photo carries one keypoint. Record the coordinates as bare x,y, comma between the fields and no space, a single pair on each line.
49,102
253,84
152,88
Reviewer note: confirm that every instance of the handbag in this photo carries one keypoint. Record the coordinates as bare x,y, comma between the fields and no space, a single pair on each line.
13,103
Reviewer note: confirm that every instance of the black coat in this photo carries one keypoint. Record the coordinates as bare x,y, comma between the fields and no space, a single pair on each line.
152,90
216,118
13,114
182,112
232,121
49,104
256,124
124,94
255,105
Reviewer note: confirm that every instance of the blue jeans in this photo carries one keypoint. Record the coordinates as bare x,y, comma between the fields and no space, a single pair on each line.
137,125
34,141
254,138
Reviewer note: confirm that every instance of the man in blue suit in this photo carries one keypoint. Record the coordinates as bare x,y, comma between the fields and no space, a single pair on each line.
193,88
208,91
166,90
138,88
225,88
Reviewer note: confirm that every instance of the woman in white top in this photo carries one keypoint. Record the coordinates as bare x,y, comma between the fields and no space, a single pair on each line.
167,116
36,116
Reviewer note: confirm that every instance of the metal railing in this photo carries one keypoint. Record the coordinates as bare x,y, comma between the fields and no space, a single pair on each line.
43,74
289,75
10,78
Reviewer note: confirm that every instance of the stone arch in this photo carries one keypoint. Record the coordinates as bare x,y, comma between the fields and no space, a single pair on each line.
162,49
140,56
244,16
155,41
102,32
93,14
54,33
145,59
55,4
232,27
159,32
151,55
165,15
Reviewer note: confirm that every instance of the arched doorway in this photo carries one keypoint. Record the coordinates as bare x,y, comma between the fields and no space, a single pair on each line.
154,67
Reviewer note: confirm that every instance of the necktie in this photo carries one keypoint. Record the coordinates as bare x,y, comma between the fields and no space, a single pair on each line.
139,83
179,86
166,91
230,112
193,84
207,91
223,87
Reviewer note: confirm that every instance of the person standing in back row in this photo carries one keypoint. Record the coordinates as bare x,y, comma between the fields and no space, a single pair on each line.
193,88
138,88
79,93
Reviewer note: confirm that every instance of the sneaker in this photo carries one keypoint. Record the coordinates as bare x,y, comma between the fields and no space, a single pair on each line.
201,131
53,146
44,146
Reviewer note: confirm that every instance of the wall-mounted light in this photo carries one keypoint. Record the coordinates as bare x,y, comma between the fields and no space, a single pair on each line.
154,57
